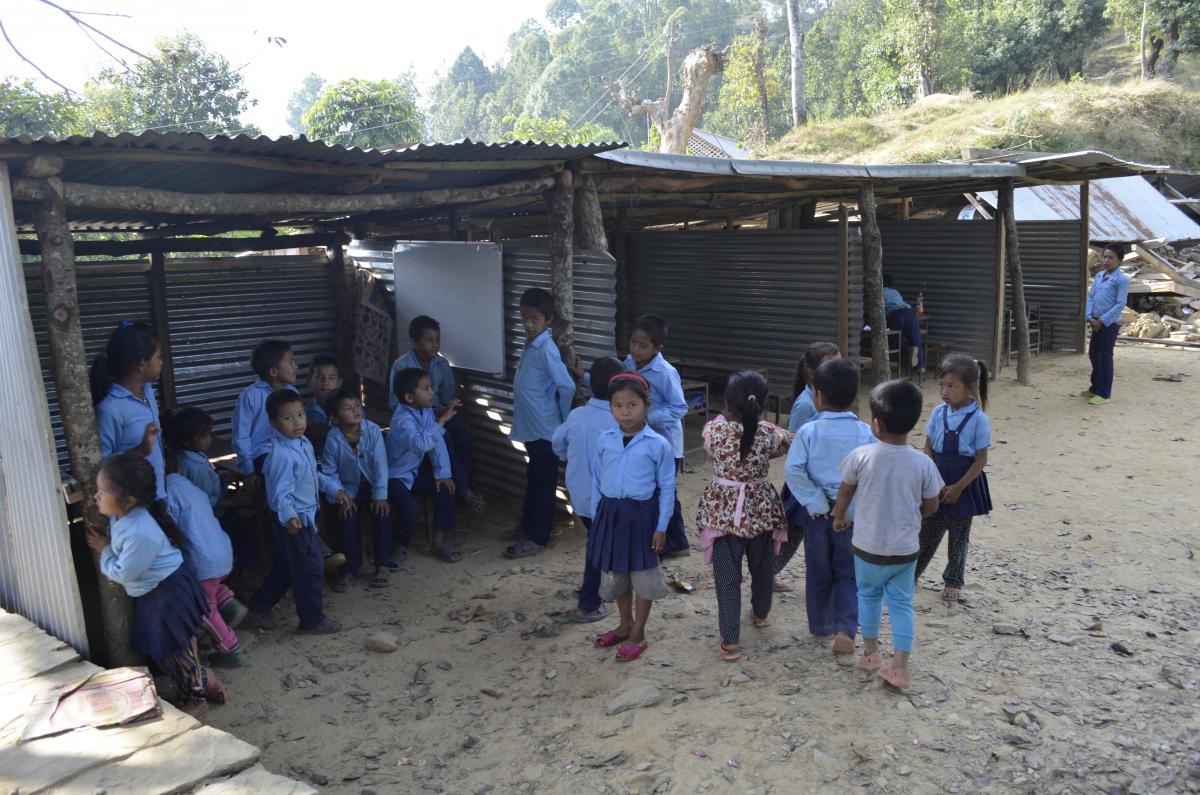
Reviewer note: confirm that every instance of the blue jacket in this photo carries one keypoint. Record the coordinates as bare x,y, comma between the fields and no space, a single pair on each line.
199,470
635,470
252,429
1107,296
293,480
121,420
440,375
976,435
349,465
138,556
207,546
803,410
815,457
542,391
667,403
576,441
413,435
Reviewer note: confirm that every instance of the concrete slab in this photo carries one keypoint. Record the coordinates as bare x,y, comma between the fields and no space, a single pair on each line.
257,781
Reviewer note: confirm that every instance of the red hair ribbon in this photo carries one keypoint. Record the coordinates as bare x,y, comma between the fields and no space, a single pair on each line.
628,377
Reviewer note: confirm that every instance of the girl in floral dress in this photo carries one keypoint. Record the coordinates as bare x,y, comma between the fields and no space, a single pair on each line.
740,512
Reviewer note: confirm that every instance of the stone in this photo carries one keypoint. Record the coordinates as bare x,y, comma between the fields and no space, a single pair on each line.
382,642
1066,640
1001,628
634,694
257,780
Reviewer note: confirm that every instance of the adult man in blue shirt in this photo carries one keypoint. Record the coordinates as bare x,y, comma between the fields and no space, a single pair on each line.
1105,300
903,318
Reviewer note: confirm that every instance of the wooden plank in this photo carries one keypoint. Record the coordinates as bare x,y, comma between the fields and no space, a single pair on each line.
1163,266
1085,220
166,245
843,299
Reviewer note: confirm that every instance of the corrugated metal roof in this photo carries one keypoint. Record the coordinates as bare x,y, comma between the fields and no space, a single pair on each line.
1121,208
803,169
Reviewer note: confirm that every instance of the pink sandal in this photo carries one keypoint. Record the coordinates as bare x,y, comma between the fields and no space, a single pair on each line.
216,692
609,639
950,594
871,662
628,652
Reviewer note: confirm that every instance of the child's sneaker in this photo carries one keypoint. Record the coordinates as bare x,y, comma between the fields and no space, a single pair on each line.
234,658
326,627
341,584
333,560
234,613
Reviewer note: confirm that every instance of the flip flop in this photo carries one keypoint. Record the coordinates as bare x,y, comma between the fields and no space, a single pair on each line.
515,534
843,644
891,677
215,692
523,549
628,652
578,616
398,559
950,594
609,639
447,553
871,662
729,655
759,623
380,578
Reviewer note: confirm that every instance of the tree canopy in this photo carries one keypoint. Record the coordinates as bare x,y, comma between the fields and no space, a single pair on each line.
303,98
365,113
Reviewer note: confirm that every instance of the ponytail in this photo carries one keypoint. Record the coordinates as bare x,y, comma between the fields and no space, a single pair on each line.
983,383
130,343
971,371
99,379
745,394
132,476
158,510
750,414
810,361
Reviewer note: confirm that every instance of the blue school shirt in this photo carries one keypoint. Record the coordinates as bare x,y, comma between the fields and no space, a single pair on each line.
206,545
892,300
252,429
440,375
413,435
293,480
314,412
348,466
576,441
1106,298
803,410
816,454
542,391
667,403
634,471
121,420
976,435
138,556
196,468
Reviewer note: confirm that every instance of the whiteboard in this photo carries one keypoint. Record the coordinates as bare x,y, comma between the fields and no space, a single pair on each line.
461,286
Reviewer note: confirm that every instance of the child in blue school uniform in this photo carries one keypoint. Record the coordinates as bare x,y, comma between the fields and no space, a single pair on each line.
355,455
542,393
253,435
802,412
207,549
416,435
831,594
324,377
140,552
957,438
121,381
633,491
576,440
292,485
188,432
425,337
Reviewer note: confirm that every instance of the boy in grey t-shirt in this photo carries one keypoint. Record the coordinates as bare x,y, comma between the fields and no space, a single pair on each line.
896,485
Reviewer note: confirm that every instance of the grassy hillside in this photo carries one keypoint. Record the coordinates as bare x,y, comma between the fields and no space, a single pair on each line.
1155,122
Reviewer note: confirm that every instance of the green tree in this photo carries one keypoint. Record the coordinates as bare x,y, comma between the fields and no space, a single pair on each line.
26,111
302,99
757,69
180,87
457,107
365,113
525,58
1172,30
555,131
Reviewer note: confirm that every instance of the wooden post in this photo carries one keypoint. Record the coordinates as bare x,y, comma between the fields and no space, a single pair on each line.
1000,332
70,367
905,208
873,282
1085,239
560,214
589,218
1012,262
345,297
619,251
162,328
843,305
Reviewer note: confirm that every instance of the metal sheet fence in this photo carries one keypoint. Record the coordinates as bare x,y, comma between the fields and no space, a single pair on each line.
1050,263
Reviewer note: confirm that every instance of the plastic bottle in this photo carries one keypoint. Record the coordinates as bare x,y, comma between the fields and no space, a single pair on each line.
920,302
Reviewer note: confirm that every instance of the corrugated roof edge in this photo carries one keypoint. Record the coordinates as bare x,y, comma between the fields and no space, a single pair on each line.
1086,157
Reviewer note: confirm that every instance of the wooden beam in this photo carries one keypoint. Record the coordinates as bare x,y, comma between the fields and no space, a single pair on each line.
42,166
345,299
68,361
147,200
620,242
561,217
873,283
1012,260
843,300
998,330
1163,266
127,248
589,218
1085,219
162,326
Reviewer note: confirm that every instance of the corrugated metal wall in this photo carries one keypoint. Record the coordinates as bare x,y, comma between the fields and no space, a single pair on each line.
37,574
751,297
954,263
219,309
498,465
1050,263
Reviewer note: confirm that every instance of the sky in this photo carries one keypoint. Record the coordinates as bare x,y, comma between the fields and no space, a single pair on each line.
348,38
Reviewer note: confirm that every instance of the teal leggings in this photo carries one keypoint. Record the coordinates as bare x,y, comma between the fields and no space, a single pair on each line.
895,583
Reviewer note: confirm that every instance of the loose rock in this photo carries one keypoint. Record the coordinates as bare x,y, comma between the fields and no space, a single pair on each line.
634,694
383,642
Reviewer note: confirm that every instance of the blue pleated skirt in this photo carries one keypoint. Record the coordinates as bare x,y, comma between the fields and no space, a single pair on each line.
622,531
166,619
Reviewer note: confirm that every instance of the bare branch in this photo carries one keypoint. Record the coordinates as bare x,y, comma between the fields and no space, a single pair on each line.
633,104
21,55
71,15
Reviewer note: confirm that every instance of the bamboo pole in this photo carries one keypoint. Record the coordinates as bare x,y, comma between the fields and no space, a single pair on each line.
1012,259
561,216
162,326
69,362
1084,280
873,282
843,305
619,250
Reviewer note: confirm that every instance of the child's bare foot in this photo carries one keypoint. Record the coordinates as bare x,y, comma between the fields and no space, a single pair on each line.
779,586
896,677
731,653
843,644
871,662
760,622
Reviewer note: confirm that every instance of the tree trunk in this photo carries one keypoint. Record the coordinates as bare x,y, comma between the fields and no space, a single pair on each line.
924,82
873,282
1142,41
69,362
1156,48
589,217
698,69
1170,38
1012,258
796,44
760,79
560,213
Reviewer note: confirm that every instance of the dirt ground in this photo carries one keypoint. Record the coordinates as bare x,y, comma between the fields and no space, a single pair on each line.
1088,556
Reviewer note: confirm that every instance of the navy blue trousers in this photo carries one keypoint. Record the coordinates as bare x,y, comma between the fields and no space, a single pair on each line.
242,532
906,322
830,590
350,535
589,590
461,447
298,565
1100,351
676,532
541,479
404,503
